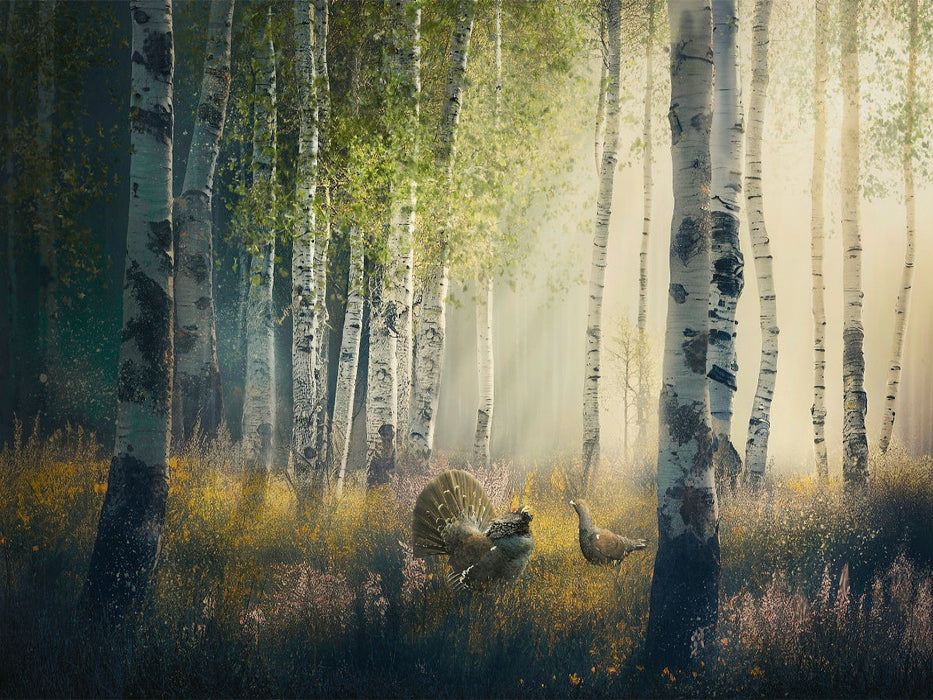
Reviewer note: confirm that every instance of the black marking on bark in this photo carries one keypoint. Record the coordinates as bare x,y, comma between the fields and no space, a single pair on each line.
186,337
209,114
676,129
723,376
678,293
160,243
156,122
196,266
203,303
151,328
695,353
717,336
140,16
159,54
687,241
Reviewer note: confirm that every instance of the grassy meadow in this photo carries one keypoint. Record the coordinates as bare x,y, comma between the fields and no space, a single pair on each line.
818,596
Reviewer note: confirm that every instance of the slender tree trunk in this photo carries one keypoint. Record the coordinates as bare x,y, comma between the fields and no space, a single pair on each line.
600,240
728,131
321,321
197,377
759,423
648,182
485,364
48,263
259,392
486,374
854,441
304,289
432,321
685,587
12,340
129,532
601,97
820,76
409,58
902,307
349,358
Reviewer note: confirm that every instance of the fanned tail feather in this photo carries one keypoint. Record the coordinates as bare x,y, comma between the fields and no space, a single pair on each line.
453,495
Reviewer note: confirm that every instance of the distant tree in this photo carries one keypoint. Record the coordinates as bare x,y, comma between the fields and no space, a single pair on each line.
759,423
197,394
129,532
684,598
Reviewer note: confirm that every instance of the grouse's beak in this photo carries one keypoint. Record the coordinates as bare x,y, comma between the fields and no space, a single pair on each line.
572,504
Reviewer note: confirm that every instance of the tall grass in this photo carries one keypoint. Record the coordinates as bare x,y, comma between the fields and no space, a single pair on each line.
276,599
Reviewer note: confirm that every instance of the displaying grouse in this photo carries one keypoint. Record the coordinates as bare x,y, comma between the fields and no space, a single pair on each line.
599,545
453,516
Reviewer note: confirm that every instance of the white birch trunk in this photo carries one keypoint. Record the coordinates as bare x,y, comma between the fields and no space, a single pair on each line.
129,532
648,185
348,361
197,377
601,97
259,392
759,423
486,373
304,288
593,369
685,585
432,321
726,135
854,441
820,76
382,381
902,307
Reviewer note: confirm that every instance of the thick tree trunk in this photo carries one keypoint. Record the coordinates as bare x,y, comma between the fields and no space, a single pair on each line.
432,322
594,330
305,291
726,135
129,532
197,377
902,307
348,363
259,392
854,441
759,423
486,375
685,587
648,184
820,76
382,380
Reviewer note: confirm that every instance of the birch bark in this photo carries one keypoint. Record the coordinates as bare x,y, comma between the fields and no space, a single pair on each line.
727,133
820,76
432,320
759,423
486,373
601,97
685,587
259,392
854,441
593,369
348,361
902,307
129,532
304,288
197,377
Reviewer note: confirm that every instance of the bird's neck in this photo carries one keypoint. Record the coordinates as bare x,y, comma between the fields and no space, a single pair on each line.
586,522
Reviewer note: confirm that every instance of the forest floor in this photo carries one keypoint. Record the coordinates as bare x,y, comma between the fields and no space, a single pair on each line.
281,600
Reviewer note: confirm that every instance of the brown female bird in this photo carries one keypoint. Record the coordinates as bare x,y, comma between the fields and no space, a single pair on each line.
599,545
453,516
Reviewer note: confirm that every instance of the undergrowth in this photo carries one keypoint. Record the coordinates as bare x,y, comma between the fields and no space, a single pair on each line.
821,594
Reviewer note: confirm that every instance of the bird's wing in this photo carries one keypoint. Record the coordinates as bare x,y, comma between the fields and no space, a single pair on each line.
615,546
485,568
466,547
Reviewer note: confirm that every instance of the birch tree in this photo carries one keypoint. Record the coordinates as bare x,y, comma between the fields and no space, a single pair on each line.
485,364
348,361
854,441
428,361
759,423
197,377
820,76
902,306
685,586
593,369
648,193
129,532
259,392
305,291
726,135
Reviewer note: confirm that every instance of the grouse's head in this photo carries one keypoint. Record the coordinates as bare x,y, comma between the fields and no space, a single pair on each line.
512,524
583,512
